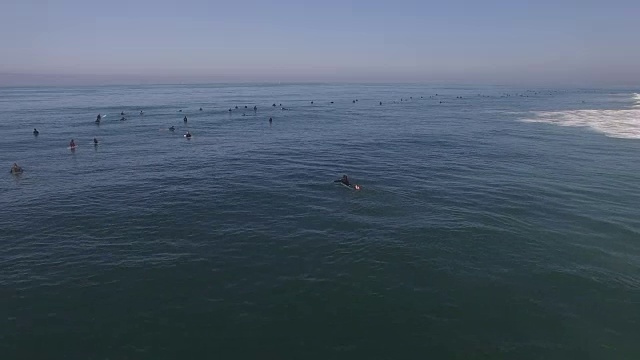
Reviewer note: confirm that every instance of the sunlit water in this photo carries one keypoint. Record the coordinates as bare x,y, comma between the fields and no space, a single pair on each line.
492,223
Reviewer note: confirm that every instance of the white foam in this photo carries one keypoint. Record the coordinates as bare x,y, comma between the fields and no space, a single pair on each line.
613,123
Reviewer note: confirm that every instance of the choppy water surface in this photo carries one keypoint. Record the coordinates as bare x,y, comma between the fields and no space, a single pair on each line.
492,223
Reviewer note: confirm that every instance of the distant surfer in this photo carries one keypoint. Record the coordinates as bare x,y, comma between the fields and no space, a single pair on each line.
98,118
354,101
245,106
123,119
36,132
255,108
229,109
15,169
141,112
72,144
380,102
312,103
187,135
236,107
172,128
270,120
185,119
95,141
200,109
274,105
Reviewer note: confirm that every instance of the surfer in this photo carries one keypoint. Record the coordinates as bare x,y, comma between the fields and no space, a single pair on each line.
380,102
95,141
123,119
185,119
122,113
15,169
98,118
274,105
172,128
72,144
187,135
35,132
141,112
200,109
255,108
344,180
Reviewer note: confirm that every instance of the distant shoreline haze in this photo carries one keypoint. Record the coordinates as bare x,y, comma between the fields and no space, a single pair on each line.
41,79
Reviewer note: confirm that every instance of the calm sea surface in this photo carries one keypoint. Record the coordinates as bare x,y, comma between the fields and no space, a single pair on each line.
493,223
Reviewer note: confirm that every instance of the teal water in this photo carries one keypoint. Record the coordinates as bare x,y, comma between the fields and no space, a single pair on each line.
493,223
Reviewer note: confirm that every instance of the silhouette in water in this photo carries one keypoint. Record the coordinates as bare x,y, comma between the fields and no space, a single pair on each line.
36,132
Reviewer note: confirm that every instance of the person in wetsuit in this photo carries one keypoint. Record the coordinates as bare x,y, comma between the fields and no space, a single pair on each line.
35,132
344,180
15,169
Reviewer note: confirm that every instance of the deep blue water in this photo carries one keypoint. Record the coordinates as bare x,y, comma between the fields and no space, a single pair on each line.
488,226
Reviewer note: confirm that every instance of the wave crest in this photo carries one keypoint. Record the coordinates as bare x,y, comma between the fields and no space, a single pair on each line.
613,123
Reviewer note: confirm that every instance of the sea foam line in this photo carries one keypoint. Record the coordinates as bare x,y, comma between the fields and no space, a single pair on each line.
613,123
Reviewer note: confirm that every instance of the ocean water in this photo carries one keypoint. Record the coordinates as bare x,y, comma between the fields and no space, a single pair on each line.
493,223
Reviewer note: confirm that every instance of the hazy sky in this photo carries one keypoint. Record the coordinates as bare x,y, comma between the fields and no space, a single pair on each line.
464,41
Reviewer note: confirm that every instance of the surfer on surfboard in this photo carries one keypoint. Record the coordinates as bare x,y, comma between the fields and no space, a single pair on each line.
345,181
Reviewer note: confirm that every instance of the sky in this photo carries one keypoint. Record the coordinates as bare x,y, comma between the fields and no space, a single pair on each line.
561,42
